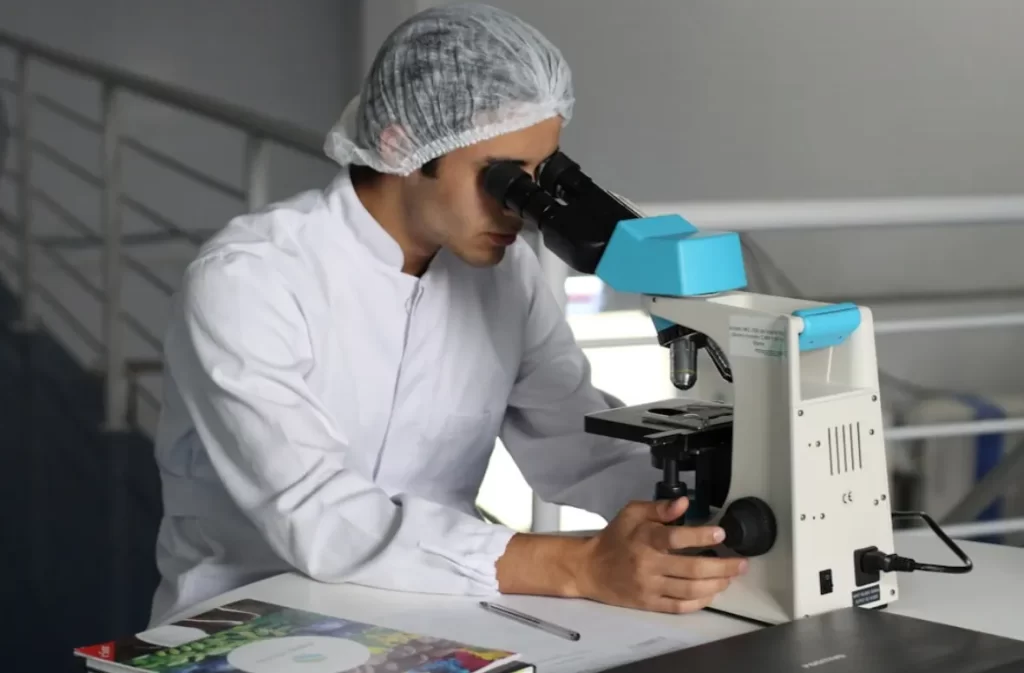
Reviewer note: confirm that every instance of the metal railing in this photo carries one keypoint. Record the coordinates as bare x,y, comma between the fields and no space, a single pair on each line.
122,376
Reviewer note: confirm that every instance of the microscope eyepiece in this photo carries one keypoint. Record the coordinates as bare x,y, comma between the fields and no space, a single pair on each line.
514,189
561,176
577,218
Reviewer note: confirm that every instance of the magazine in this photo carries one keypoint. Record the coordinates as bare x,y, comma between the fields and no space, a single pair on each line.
251,636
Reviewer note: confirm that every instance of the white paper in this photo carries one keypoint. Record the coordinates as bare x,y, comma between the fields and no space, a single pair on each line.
588,660
607,636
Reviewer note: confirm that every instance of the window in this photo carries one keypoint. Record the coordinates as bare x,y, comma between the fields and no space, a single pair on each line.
634,374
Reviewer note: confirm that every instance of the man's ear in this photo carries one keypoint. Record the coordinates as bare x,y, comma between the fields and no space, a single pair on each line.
394,144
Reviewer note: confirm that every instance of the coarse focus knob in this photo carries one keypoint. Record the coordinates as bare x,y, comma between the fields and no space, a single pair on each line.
749,526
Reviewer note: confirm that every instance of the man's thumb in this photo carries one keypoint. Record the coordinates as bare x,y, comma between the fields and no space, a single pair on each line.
662,511
670,510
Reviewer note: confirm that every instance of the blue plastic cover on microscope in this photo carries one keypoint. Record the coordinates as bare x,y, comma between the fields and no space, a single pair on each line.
668,256
826,326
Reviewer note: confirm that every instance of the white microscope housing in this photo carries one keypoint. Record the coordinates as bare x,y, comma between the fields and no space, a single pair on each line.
779,427
806,441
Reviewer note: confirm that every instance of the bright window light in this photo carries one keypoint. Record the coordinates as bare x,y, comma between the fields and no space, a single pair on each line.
633,374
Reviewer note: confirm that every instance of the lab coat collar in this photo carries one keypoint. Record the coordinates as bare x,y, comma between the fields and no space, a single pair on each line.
354,215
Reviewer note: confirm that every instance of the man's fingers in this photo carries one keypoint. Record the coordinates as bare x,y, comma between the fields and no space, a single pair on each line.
682,537
689,590
701,567
676,606
658,536
670,510
660,511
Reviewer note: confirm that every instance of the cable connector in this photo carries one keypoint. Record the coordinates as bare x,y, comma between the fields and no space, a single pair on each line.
878,561
874,561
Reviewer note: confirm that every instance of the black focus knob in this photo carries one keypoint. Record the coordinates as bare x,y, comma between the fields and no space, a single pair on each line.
749,526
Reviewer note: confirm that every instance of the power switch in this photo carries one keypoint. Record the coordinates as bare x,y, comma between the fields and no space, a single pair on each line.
825,581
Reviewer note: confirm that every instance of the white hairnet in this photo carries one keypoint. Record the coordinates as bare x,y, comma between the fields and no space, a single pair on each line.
450,77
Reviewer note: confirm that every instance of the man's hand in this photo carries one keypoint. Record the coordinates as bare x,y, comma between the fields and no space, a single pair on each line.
629,563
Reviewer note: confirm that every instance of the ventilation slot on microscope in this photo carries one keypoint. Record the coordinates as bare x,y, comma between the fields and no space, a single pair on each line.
844,450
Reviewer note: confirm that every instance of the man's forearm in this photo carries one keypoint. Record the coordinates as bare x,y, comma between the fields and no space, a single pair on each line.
541,565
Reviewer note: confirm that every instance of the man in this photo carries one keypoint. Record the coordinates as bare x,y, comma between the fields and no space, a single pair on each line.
340,365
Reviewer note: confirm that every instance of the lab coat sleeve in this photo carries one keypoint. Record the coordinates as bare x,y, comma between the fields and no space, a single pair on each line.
543,427
239,350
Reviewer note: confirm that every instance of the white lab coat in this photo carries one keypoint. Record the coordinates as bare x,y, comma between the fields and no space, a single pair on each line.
326,413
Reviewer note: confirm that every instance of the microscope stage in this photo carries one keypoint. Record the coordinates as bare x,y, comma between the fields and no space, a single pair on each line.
660,423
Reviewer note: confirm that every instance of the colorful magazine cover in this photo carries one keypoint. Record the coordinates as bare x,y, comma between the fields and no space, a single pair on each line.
251,636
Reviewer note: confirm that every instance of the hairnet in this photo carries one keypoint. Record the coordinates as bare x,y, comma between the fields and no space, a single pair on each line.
446,78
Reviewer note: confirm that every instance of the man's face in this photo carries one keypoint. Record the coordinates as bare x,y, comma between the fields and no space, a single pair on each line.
453,211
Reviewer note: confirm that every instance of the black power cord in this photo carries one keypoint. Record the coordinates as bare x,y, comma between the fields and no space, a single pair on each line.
878,561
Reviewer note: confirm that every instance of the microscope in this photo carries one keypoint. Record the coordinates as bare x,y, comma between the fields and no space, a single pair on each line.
778,420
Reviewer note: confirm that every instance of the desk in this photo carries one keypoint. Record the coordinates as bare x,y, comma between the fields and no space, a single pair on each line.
988,599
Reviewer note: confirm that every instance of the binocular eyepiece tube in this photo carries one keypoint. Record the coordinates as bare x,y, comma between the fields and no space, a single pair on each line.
515,190
576,217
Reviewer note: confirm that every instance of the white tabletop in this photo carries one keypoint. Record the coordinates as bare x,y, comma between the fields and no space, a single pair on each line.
988,599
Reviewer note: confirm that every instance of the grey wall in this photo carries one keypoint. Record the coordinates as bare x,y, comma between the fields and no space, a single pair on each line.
380,18
297,62
698,101
737,100
793,99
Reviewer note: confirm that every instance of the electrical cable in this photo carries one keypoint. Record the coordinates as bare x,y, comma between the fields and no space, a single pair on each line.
875,561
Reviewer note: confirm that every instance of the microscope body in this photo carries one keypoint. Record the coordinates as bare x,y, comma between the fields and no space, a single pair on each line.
779,424
806,443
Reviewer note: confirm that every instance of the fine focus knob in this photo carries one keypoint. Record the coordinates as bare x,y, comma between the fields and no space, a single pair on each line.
749,526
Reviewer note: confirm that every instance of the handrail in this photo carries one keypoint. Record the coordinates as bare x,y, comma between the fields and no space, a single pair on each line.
973,530
946,323
901,433
159,220
81,331
258,130
84,242
68,113
841,213
906,433
173,164
263,126
70,165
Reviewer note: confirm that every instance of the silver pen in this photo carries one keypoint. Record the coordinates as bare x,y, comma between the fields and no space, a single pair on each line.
529,620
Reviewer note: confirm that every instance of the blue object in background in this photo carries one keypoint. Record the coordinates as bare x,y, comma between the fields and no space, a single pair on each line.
988,452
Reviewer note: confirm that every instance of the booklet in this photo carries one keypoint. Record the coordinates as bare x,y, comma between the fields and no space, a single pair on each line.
251,636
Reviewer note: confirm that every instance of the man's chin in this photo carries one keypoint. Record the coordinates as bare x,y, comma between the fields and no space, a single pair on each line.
482,257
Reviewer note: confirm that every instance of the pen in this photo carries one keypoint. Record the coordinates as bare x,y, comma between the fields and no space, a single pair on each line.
529,620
